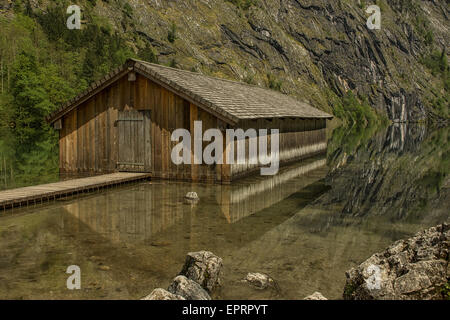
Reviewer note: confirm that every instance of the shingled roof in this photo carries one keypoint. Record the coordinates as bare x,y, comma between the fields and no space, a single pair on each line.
231,100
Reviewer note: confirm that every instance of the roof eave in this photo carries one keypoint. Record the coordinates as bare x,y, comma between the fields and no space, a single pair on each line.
91,91
137,66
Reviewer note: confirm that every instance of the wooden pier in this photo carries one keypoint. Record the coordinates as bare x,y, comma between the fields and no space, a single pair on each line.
52,191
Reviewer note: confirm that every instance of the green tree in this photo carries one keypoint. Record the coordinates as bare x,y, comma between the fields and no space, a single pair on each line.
30,100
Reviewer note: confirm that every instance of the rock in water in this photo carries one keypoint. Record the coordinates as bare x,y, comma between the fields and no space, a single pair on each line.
203,267
161,294
315,296
189,289
416,268
260,280
192,196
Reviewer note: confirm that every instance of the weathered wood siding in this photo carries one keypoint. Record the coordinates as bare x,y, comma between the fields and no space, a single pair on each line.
89,139
298,139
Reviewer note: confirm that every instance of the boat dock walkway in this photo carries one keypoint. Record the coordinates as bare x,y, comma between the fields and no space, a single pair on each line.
52,191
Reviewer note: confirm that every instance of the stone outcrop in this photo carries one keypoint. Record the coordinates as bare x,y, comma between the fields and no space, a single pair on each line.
416,268
204,268
189,289
199,276
315,296
162,294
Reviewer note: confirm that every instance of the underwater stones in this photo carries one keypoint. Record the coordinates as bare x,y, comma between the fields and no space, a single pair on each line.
104,268
203,267
162,294
415,268
189,289
260,280
315,296
191,198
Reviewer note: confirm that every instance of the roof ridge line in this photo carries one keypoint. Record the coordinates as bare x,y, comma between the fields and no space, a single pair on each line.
208,76
213,106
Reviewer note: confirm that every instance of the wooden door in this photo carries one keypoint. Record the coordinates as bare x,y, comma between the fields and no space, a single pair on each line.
134,129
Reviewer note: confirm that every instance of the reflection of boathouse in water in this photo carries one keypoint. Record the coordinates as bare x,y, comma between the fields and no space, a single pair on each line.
144,211
124,122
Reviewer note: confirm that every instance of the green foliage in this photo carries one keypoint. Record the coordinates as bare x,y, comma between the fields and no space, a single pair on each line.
422,25
349,290
441,104
104,52
244,4
349,139
274,83
437,63
172,34
102,49
173,63
250,79
30,101
356,111
382,5
43,65
128,10
445,291
147,54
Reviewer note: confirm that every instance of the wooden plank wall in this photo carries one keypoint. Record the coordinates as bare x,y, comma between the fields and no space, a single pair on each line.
89,137
299,138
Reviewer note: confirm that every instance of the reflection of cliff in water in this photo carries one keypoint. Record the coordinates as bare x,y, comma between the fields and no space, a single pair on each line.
392,185
400,172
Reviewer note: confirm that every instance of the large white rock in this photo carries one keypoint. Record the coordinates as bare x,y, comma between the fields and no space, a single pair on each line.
315,296
162,294
203,267
416,268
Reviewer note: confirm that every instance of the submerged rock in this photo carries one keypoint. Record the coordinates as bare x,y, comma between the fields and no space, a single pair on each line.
192,196
189,289
203,267
315,296
260,280
162,294
416,268
104,268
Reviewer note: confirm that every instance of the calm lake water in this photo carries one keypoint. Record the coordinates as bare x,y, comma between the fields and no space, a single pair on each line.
305,226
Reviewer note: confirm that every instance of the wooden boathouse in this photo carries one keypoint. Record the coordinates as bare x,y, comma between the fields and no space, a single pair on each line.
124,122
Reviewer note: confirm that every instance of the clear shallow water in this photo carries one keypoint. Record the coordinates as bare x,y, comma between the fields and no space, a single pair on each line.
305,227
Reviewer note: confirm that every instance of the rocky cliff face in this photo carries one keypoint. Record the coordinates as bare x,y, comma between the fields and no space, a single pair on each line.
316,50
